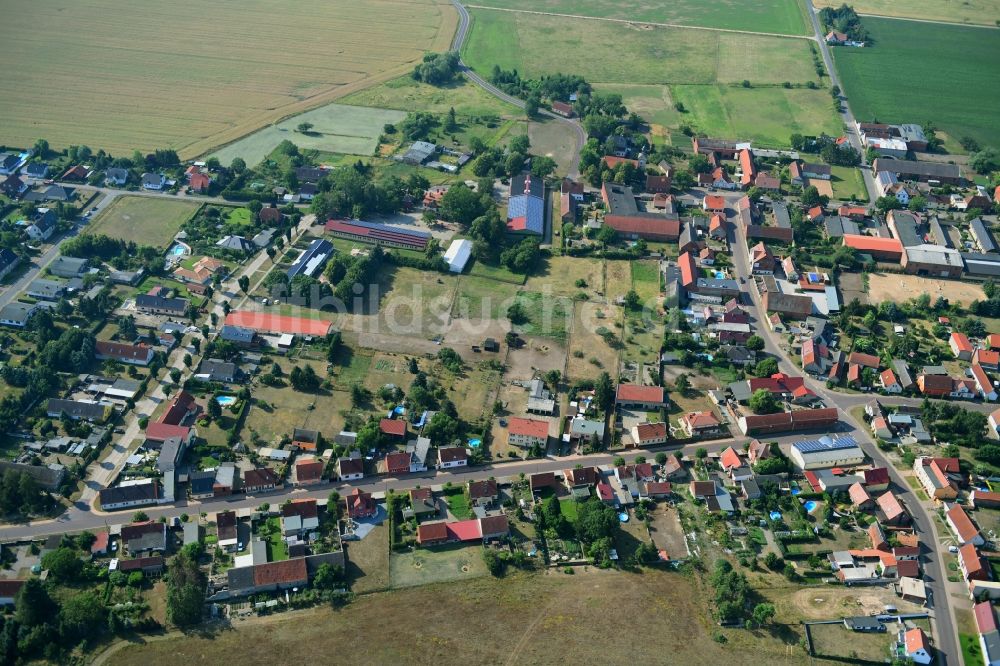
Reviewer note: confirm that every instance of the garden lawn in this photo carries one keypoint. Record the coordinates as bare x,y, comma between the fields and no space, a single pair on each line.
143,220
570,508
548,317
646,281
848,183
458,503
950,94
482,298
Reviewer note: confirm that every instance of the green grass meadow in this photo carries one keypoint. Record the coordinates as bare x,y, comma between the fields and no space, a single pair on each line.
780,16
768,116
921,72
603,51
337,128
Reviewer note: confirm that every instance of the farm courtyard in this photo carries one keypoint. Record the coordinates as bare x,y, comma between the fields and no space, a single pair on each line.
193,76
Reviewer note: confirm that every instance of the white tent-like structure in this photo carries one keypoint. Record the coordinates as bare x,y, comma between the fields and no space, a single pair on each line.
458,255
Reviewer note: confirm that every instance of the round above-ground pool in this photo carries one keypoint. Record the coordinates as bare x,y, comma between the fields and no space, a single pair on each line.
810,505
225,400
775,515
400,410
475,443
623,517
796,491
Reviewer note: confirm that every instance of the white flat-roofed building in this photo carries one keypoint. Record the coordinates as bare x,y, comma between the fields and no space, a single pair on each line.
458,255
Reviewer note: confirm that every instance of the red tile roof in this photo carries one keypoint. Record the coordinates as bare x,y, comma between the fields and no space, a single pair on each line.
986,357
651,431
970,558
864,360
528,427
308,470
395,427
714,202
986,619
961,341
859,495
482,489
122,351
432,532
963,524
452,454
281,573
876,477
10,588
729,459
689,272
871,244
916,640
303,508
359,503
891,506
178,409
776,383
644,225
637,393
100,544
397,462
697,420
613,161
159,432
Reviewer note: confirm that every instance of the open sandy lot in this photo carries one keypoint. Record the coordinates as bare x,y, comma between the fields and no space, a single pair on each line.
893,287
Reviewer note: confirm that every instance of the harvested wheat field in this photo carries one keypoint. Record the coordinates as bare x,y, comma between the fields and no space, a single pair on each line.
522,619
192,75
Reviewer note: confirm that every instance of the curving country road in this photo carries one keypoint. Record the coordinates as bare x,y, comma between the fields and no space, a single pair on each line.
580,135
846,116
935,576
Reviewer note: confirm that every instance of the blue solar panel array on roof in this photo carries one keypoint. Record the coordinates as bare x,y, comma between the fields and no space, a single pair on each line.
825,444
389,229
529,207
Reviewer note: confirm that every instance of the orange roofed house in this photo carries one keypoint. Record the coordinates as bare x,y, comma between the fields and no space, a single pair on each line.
634,396
360,504
881,249
308,471
700,424
527,433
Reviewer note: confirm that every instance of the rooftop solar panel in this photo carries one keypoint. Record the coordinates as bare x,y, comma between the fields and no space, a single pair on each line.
825,444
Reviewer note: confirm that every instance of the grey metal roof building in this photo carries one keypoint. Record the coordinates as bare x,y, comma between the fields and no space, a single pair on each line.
981,264
983,237
836,226
312,259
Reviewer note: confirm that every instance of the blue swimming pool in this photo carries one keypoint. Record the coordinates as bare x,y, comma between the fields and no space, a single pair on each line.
810,505
720,275
775,515
225,400
796,491
623,517
475,443
400,410
178,250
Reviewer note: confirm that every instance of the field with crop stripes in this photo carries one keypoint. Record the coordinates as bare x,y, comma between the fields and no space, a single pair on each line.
953,84
194,75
